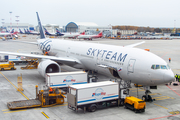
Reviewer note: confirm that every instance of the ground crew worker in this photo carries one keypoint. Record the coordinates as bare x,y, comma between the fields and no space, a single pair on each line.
50,90
176,76
169,60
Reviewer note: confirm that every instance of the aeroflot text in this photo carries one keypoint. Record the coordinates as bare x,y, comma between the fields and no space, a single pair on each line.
108,54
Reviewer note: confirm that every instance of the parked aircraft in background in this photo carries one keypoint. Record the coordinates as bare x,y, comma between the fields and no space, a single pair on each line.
90,37
33,32
5,36
53,34
73,35
20,31
126,63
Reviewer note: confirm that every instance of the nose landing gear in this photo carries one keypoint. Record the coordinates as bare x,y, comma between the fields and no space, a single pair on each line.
147,97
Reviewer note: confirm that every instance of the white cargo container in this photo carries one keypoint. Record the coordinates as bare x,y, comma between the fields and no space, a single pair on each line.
95,95
64,79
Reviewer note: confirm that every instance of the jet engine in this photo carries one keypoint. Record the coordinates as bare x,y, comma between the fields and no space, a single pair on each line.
48,66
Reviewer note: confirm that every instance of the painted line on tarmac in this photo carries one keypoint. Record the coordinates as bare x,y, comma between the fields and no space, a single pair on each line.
164,54
161,106
162,98
61,105
45,115
14,86
173,90
163,117
15,111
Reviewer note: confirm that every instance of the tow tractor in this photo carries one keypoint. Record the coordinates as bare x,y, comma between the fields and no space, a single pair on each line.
44,98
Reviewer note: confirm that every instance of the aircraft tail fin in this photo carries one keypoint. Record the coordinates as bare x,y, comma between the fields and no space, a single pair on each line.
12,31
42,35
58,33
25,30
100,33
20,31
83,33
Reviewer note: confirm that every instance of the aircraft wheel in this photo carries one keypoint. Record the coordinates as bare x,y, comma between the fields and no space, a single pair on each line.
144,98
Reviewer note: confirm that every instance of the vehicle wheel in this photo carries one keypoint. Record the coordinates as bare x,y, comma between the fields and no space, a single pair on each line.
136,111
2,69
93,109
122,102
12,68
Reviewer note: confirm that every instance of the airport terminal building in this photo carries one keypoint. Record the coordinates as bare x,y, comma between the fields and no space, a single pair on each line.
84,26
18,26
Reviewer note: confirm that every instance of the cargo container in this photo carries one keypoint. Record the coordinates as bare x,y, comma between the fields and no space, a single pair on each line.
64,79
95,95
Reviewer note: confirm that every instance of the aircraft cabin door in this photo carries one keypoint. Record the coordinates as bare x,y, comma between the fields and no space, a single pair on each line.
131,65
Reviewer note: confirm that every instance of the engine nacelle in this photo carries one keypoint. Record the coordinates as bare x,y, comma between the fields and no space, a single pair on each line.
48,66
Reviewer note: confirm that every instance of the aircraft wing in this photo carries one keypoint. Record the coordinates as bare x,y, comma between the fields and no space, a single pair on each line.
54,58
133,45
35,43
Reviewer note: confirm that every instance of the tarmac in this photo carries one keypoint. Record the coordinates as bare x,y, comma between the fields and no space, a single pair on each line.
165,107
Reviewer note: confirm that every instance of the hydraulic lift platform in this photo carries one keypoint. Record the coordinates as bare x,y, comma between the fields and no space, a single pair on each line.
32,64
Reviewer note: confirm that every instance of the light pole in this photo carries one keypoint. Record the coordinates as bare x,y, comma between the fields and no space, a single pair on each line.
17,22
2,23
10,20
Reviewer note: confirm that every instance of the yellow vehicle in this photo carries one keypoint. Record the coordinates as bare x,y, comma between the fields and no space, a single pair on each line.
9,66
44,98
135,104
137,85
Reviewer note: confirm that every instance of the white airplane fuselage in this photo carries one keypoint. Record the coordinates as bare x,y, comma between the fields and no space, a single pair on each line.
130,64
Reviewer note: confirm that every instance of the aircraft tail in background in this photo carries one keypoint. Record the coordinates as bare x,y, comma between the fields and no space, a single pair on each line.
42,35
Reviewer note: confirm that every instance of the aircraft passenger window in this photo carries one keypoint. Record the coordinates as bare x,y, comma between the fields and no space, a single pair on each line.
157,66
163,67
153,67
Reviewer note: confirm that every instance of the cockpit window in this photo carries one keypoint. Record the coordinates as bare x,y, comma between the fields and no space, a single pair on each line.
157,66
163,67
153,67
160,67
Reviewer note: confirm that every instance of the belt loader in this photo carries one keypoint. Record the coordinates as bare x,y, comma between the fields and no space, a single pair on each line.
44,98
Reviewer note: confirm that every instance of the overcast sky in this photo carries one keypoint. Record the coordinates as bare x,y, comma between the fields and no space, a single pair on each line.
152,13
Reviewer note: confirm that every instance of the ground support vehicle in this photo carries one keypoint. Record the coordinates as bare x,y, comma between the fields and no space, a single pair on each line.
91,96
8,66
64,79
44,98
135,104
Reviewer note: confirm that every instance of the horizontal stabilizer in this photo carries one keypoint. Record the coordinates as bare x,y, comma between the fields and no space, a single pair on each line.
133,45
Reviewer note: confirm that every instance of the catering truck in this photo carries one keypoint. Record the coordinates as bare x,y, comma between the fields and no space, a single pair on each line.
64,79
91,96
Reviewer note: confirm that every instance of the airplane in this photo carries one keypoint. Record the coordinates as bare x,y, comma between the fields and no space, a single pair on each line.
73,35
121,62
53,34
33,32
90,37
20,31
58,33
5,36
12,31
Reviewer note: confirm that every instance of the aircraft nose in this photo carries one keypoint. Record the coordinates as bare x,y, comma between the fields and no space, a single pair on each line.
168,76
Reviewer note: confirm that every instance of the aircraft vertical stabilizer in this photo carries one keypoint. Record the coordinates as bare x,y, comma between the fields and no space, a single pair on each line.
42,35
